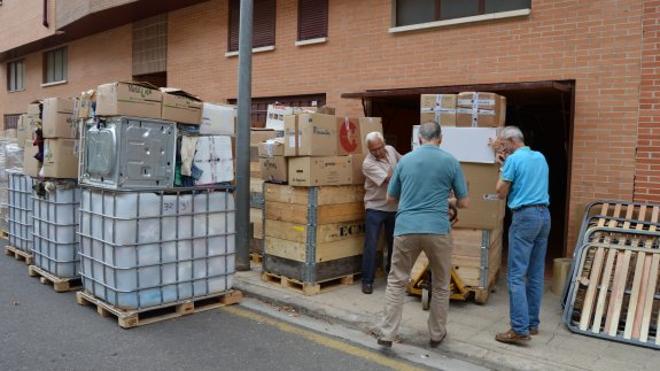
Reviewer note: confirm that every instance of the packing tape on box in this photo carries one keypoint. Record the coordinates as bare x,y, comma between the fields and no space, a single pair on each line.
270,146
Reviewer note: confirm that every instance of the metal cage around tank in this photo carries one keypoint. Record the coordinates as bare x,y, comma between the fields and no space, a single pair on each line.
55,245
140,249
19,205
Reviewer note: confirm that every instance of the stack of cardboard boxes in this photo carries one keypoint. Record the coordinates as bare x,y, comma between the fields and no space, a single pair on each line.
257,137
314,226
468,121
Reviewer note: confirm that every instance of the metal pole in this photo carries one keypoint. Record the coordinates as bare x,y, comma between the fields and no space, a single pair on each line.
243,140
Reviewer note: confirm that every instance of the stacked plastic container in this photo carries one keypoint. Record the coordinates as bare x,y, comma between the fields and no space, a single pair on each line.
19,208
55,217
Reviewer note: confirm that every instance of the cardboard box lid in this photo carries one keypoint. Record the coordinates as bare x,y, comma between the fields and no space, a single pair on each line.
258,135
271,147
177,98
137,91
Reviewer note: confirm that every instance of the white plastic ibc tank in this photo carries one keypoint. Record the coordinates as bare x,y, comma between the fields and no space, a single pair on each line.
55,216
141,249
19,206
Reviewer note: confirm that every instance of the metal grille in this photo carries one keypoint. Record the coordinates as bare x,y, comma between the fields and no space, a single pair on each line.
20,211
11,122
150,45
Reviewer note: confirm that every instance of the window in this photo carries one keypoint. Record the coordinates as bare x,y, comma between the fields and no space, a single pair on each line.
55,65
409,12
263,33
312,19
16,75
11,122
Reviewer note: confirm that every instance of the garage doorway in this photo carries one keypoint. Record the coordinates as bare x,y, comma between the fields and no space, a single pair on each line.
542,110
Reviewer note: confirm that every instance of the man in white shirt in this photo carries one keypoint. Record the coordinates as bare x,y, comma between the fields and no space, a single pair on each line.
377,167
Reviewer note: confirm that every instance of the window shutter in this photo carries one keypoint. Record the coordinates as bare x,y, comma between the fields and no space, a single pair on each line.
234,10
312,19
264,23
263,32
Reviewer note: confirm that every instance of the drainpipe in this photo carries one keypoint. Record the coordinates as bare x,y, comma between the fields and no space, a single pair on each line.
45,21
243,138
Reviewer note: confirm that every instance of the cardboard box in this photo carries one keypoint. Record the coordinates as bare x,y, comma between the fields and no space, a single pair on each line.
487,110
218,119
31,166
440,108
274,169
348,136
368,125
271,147
258,135
57,119
85,104
291,135
60,159
129,99
356,162
317,171
180,106
316,135
276,113
486,211
34,109
23,130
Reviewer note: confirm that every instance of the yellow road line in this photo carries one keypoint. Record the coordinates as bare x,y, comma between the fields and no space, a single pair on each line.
322,339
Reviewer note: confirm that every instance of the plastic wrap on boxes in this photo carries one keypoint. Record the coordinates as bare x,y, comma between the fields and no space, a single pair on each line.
213,156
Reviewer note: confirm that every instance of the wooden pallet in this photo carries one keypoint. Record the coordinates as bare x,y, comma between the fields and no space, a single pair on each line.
140,317
256,258
19,254
59,284
309,288
4,235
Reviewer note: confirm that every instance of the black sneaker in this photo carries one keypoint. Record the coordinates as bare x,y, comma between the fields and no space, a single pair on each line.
385,343
367,288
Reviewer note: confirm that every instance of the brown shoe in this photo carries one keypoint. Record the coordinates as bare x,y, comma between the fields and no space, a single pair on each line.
533,330
511,337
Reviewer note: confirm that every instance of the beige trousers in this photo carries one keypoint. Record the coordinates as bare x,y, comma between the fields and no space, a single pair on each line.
406,250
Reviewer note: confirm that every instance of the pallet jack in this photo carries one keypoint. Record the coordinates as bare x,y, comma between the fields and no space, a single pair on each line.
420,276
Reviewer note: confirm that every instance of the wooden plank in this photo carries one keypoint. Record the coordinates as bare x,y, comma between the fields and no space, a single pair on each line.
645,324
618,289
641,270
327,214
327,195
256,185
307,288
604,287
322,271
326,251
635,322
324,233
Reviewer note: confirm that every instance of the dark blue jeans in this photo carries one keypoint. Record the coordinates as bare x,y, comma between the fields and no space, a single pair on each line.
374,221
528,242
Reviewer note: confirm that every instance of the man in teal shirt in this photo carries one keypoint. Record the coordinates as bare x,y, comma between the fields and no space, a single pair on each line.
524,179
422,183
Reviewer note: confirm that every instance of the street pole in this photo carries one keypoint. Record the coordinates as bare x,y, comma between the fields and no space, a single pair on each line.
243,139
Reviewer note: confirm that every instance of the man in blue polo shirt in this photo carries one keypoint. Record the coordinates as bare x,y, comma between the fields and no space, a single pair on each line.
422,183
524,178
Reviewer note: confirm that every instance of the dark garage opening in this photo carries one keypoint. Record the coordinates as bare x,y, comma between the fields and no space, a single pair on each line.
543,111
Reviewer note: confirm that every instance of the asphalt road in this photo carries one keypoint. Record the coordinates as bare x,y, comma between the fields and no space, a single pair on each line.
44,330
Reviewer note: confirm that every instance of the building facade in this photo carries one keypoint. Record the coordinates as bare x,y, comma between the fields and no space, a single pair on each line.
581,76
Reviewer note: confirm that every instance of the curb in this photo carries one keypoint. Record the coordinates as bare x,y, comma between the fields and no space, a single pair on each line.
499,359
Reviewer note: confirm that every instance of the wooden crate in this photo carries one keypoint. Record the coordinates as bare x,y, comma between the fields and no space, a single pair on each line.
308,229
257,220
477,258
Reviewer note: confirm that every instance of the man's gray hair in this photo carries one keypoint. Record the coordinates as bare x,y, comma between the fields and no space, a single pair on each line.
512,133
373,136
430,131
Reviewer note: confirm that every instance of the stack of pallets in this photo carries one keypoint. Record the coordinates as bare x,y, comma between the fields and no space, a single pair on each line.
613,290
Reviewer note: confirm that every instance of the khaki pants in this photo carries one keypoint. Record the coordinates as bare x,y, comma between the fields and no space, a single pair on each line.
406,250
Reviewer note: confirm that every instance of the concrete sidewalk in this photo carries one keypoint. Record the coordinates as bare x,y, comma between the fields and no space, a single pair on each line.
471,328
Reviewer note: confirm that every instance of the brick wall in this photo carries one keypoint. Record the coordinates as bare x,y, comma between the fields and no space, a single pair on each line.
598,44
92,60
21,22
647,180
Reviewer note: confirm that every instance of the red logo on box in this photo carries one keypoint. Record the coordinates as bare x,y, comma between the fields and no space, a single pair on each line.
349,136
